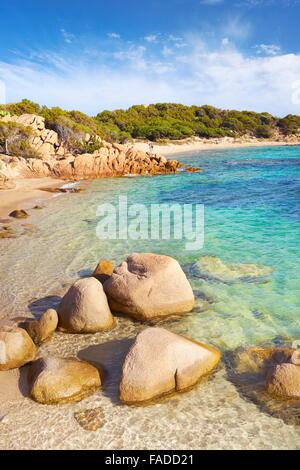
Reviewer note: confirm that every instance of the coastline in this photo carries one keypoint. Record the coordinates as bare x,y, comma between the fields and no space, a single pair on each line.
27,190
44,264
191,146
26,193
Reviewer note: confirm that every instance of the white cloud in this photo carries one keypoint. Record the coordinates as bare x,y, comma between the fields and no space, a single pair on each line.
113,35
225,78
68,37
268,49
167,51
225,42
171,37
151,38
236,28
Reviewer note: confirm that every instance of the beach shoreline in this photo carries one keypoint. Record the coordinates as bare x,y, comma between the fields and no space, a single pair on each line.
26,193
221,144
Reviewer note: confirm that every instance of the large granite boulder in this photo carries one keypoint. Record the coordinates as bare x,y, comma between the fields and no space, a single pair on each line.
284,380
160,362
62,380
209,267
84,308
16,347
42,330
148,287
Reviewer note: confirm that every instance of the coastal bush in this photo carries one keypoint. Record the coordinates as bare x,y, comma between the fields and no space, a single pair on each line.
290,124
158,121
264,131
14,140
23,107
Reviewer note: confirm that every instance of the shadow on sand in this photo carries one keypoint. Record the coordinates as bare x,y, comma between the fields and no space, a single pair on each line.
108,358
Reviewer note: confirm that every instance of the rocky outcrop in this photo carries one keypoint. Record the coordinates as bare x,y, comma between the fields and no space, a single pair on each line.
212,268
160,362
284,380
84,308
149,287
42,330
16,348
110,160
56,380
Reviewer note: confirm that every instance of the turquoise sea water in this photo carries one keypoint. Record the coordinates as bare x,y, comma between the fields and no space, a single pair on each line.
251,198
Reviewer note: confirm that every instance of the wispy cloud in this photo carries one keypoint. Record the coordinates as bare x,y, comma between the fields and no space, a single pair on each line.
68,37
151,38
131,74
237,28
113,35
268,49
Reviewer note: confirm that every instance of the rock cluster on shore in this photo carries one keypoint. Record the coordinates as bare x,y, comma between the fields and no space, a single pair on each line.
159,362
111,159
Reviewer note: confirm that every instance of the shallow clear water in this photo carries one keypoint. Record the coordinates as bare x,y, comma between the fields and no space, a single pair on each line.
251,216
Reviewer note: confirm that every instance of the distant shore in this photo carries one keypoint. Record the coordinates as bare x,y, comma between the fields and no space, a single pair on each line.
27,192
208,144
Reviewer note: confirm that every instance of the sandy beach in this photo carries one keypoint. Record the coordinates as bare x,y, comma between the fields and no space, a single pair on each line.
26,192
204,144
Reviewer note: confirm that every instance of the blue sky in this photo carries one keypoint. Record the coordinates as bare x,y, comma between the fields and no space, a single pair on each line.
93,55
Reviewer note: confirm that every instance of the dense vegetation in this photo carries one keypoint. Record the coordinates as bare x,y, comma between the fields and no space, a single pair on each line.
156,122
14,140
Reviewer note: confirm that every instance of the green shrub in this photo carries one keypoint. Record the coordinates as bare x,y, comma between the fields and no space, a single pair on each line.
14,140
264,131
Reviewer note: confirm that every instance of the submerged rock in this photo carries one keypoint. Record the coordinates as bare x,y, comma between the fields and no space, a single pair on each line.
103,270
19,214
62,380
16,347
284,380
42,330
212,268
261,375
84,308
160,362
91,419
148,287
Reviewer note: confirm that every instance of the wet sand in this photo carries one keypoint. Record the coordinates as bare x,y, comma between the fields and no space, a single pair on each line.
26,193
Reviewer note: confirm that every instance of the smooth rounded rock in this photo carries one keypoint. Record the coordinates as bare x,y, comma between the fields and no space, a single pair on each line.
84,308
284,380
62,380
149,286
160,362
42,330
16,347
